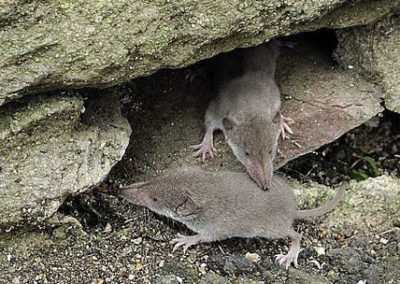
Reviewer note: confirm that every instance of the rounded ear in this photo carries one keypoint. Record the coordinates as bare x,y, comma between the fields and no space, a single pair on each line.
187,207
227,123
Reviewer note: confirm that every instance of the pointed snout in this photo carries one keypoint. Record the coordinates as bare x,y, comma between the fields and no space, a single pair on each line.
265,181
266,185
262,175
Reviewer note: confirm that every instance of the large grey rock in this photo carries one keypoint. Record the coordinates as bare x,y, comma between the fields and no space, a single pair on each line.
57,44
47,154
325,102
374,51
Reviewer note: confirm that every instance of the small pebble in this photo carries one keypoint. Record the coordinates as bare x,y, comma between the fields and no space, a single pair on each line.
108,228
253,257
320,251
383,241
137,241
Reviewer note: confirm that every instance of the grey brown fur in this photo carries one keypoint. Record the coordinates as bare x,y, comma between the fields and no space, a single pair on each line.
246,108
221,205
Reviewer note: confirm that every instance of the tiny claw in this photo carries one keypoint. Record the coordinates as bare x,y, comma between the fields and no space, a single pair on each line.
284,125
176,247
203,149
287,128
288,259
195,147
206,146
185,241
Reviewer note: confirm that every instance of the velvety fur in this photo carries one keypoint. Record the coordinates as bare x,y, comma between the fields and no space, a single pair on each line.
248,101
221,205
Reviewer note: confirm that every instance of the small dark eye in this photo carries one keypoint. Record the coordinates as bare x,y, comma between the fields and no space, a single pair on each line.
247,153
270,152
155,199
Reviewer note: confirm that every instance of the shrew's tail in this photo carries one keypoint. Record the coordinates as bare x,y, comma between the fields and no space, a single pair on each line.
311,213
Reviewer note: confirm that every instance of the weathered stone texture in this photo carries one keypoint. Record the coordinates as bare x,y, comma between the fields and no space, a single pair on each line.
356,13
55,155
57,44
374,51
325,102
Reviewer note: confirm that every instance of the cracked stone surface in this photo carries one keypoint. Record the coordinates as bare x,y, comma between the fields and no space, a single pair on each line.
374,52
47,45
324,101
56,154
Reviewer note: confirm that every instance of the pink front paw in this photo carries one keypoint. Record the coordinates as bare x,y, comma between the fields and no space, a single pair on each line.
285,121
206,146
286,260
203,149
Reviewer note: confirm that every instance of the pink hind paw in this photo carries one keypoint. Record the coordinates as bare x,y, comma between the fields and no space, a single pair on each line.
286,260
185,241
293,253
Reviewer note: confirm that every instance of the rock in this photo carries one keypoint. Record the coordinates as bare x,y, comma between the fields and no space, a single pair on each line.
369,206
324,103
167,279
64,227
253,257
37,120
213,278
51,45
298,276
183,270
356,14
231,264
47,154
374,51
348,260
